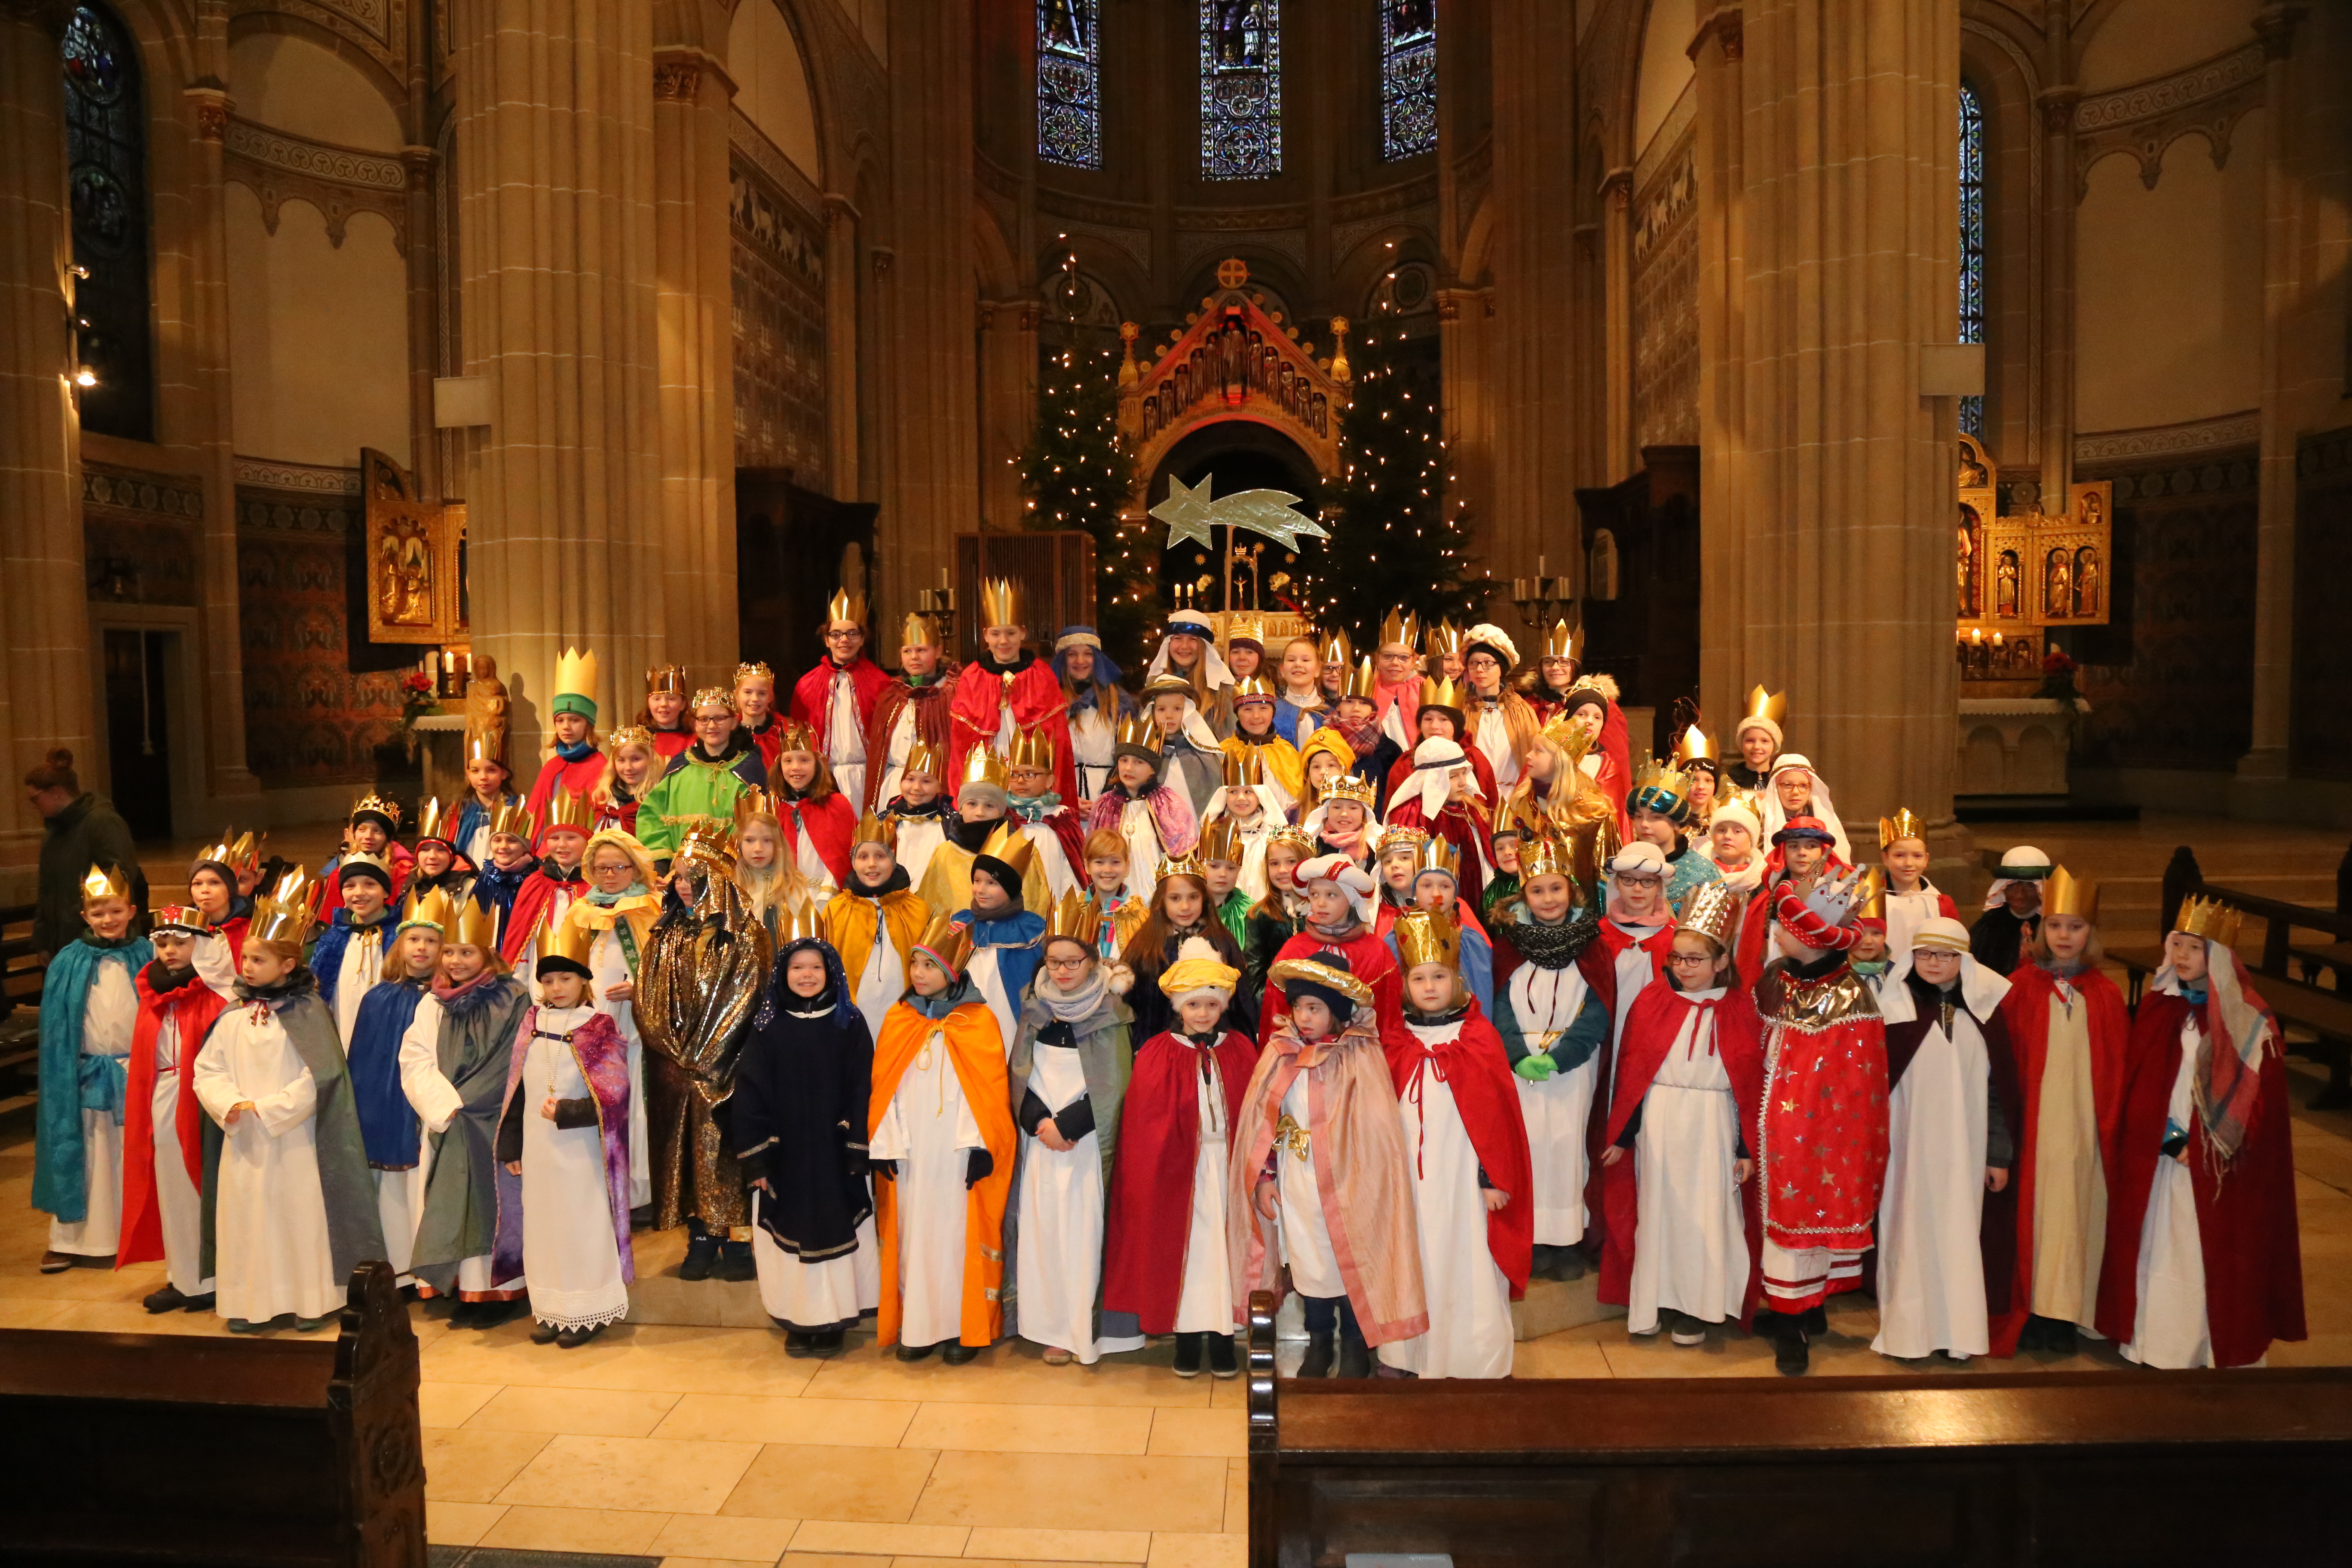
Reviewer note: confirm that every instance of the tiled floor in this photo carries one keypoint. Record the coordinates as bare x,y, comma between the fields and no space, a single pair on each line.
709,1446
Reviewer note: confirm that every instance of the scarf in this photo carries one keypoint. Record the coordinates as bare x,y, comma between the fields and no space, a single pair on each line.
2236,1028
971,835
1346,932
605,900
1360,737
897,881
461,1000
299,982
1073,1008
162,982
577,751
987,663
1553,946
933,810
938,1007
1035,807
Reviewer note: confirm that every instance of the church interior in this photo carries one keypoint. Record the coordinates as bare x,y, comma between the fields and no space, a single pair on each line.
1967,384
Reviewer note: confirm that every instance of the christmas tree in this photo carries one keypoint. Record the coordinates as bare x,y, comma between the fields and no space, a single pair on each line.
1397,542
1077,475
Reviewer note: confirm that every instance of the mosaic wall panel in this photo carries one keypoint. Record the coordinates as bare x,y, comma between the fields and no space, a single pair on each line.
2171,679
319,707
1665,306
140,535
779,330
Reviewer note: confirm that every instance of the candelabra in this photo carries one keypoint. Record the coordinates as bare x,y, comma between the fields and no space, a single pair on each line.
1543,599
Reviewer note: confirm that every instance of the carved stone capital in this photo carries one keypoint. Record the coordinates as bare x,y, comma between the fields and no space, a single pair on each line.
2275,25
2057,106
677,80
883,257
208,109
1725,26
1617,185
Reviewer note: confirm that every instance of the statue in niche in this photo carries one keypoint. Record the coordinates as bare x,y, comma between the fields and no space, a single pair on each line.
2086,571
2005,594
405,572
1973,473
2058,585
1969,584
487,706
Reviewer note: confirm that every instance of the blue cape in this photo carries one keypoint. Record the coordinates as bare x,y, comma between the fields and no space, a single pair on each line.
69,1082
1017,935
327,951
387,1121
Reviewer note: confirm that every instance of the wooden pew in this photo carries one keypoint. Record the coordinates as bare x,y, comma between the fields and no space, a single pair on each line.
2087,1469
193,1448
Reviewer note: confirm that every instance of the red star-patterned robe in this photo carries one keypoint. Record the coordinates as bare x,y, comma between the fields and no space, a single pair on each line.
1820,1133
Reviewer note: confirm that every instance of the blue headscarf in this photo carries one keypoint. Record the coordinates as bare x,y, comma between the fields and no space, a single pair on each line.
1107,673
845,1003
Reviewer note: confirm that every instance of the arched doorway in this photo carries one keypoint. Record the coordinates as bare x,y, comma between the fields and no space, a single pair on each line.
1231,456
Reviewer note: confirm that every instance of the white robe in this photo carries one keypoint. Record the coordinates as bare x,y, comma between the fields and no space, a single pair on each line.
918,842
987,977
1544,1003
811,864
269,1210
1093,749
893,763
1204,1305
1144,851
1306,1234
436,1104
569,1254
178,1204
816,1296
883,981
361,967
214,966
1931,1287
1057,1253
1469,1297
608,966
2070,1179
1690,1238
1491,734
1905,913
927,1128
2170,1328
110,1014
844,740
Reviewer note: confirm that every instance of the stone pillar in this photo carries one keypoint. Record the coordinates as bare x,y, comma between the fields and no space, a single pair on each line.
841,264
2265,762
1536,341
1619,457
1008,373
930,478
1827,486
1464,347
2060,202
45,694
694,283
555,157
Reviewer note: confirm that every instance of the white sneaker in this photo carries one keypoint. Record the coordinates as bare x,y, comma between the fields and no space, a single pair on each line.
1689,1336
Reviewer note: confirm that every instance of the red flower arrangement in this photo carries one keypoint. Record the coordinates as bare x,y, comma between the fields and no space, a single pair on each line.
2058,676
416,684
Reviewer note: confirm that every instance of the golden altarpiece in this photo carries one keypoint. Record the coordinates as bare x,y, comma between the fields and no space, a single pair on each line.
2017,577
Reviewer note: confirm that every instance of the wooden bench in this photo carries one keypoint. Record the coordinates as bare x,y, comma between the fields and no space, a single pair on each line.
2088,1469
188,1448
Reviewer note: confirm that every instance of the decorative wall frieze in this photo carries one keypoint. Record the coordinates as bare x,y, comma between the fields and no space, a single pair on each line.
1135,242
1287,243
2146,117
338,180
2168,440
133,490
308,478
377,27
751,143
1346,236
1386,202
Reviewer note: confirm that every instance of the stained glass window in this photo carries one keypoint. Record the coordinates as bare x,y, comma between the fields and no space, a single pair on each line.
1972,241
1408,78
1070,84
106,153
1241,88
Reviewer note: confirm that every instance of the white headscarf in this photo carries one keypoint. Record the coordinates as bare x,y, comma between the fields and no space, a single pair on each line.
1776,815
1191,623
2022,858
1981,990
1352,879
1431,780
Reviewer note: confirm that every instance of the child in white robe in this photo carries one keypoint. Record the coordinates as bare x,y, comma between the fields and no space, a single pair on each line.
91,1012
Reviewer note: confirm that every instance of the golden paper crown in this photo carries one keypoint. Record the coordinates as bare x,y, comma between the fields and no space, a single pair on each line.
1188,864
1401,838
1427,936
1438,853
753,669
666,677
239,854
999,602
1296,837
1658,787
1396,629
1693,747
516,821
475,924
1244,767
1712,911
800,920
1541,853
435,821
103,883
1440,694
795,735
1031,748
1442,639
184,918
1350,786
567,938
712,697
2063,893
1572,739
1009,844
1074,916
926,757
709,843
1139,730
283,914
375,804
916,631
576,673
1870,894
983,766
1220,840
1335,649
754,801
846,605
484,748
948,943
629,735
1253,688
1768,705
1902,824
1245,628
565,809
2209,918
872,829
1363,681
1559,642
433,908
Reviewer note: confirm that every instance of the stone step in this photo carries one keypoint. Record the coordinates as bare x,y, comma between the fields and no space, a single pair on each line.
1552,1305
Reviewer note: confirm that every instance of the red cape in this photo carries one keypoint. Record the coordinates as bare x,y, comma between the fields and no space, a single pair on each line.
1071,835
1035,695
830,822
931,703
669,743
1476,1067
2025,1015
2245,1216
1467,829
813,695
1369,960
1651,1026
330,892
579,778
193,1006
533,902
1148,1222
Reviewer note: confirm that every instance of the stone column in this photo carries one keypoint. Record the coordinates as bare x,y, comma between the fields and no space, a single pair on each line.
1832,472
1618,457
1718,57
1465,348
1536,341
556,156
930,482
2265,763
841,264
694,283
2060,202
44,695
1008,371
